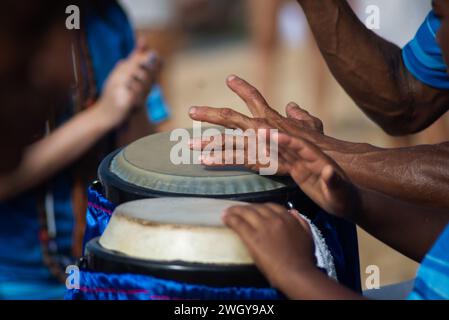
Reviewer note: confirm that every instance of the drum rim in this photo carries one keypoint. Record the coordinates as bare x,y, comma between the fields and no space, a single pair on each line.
247,275
108,178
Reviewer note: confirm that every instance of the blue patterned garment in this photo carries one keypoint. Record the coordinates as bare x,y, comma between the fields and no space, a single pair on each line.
432,281
423,57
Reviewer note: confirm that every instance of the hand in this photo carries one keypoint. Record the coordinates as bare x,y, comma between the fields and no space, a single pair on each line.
298,123
319,176
128,85
297,120
280,242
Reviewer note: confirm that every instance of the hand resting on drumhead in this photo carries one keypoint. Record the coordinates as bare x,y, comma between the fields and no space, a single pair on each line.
281,245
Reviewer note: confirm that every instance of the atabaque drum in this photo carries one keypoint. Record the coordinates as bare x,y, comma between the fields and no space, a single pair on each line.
169,248
178,239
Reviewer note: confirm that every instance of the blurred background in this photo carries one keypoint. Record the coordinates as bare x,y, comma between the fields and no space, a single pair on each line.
268,43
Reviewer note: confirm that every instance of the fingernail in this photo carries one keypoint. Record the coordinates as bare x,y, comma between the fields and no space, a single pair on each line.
152,58
192,110
232,77
151,61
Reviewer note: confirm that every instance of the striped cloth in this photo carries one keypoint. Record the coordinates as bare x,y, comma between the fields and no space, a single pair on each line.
423,57
432,281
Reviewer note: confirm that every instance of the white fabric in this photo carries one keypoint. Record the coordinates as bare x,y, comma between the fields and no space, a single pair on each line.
323,255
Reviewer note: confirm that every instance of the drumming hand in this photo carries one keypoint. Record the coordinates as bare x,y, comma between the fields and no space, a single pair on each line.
280,242
128,85
319,176
297,119
298,122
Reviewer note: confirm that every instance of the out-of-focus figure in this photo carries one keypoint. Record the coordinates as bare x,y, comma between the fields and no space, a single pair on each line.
43,201
35,72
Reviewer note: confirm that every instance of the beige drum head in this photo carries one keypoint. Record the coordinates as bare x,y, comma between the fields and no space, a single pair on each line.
175,229
146,164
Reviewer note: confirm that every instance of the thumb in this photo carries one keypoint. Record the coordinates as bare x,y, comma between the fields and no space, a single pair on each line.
295,112
331,178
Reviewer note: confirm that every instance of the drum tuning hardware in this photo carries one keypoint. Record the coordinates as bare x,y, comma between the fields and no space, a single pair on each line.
97,186
82,263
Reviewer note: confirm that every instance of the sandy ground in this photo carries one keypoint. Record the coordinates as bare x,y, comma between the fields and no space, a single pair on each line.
196,77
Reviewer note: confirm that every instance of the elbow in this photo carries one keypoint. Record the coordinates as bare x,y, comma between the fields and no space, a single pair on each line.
401,124
398,128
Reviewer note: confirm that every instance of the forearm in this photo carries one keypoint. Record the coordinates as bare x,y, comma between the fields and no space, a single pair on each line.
370,69
416,174
314,285
56,151
410,229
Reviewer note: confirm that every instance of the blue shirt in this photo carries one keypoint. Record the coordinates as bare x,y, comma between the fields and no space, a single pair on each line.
423,56
432,281
22,272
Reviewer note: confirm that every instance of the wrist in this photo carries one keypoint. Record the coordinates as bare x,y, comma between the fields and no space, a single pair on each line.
299,284
105,119
282,283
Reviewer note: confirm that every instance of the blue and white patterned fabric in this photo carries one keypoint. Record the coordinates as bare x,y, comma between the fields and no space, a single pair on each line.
423,56
432,281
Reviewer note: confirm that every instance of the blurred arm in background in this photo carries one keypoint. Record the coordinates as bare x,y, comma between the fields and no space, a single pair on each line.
263,28
122,102
371,70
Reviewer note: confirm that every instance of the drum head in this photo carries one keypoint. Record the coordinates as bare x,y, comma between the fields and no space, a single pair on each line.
184,235
144,169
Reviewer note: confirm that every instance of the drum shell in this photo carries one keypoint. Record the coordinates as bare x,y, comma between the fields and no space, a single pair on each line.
99,259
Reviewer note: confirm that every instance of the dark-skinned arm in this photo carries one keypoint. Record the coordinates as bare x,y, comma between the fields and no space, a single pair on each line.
408,228
371,70
411,230
417,174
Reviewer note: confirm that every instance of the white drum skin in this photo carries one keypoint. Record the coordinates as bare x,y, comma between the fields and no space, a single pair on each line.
175,229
